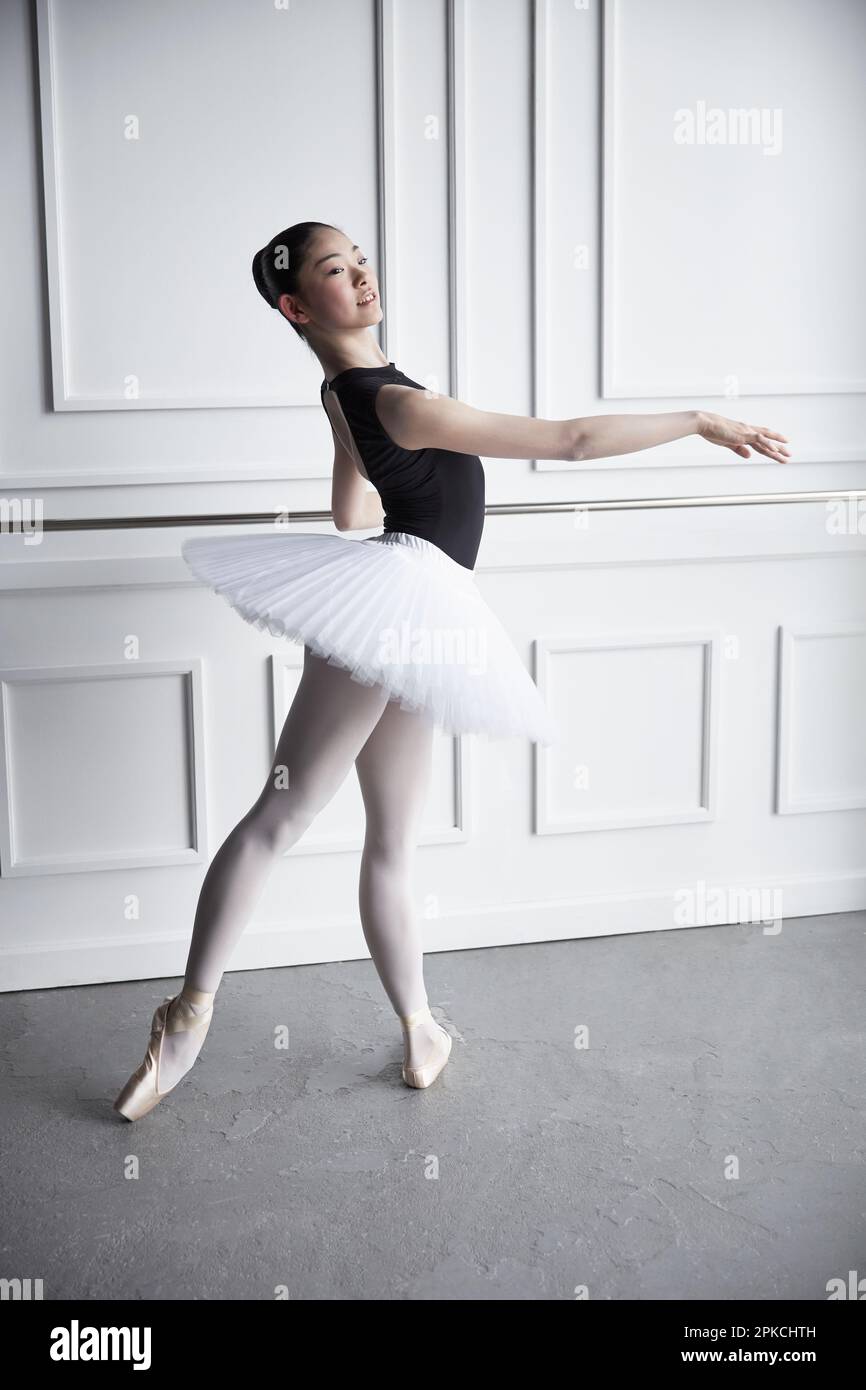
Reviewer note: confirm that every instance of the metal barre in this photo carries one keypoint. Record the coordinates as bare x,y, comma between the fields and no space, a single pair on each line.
115,523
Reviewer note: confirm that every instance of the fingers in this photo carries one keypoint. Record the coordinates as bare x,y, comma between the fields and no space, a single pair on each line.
766,438
762,440
777,452
764,447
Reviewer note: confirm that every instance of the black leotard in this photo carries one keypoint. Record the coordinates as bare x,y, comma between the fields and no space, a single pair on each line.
433,493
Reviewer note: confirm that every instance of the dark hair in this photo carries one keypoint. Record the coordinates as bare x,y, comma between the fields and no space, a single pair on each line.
277,267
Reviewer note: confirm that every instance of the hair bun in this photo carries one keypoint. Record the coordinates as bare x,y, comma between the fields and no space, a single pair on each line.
260,276
277,267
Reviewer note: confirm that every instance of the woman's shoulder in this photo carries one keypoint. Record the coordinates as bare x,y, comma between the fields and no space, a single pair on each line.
360,390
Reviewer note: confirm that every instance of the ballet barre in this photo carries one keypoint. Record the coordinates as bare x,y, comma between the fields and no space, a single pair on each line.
286,519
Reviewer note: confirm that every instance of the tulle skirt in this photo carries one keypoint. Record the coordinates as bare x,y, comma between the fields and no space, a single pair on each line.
393,610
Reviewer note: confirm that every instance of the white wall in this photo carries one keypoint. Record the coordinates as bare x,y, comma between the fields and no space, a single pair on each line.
546,245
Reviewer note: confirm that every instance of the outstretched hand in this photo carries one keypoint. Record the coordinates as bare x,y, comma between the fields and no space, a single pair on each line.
734,434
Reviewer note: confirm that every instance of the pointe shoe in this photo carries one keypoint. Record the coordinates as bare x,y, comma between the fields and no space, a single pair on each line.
424,1075
141,1092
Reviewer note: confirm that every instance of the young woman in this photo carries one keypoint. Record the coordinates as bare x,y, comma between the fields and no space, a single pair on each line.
397,639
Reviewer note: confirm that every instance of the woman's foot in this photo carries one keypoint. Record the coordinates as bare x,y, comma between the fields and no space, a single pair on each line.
178,1030
426,1048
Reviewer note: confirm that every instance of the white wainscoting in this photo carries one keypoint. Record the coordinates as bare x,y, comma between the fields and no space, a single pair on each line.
545,247
690,731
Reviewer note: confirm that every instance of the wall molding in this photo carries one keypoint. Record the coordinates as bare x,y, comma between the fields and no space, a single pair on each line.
93,959
12,865
456,69
788,801
63,397
548,649
614,384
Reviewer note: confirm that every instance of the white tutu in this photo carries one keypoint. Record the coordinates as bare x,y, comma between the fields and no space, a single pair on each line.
393,610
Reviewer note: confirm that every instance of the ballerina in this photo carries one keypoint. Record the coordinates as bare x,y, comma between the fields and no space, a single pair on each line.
397,638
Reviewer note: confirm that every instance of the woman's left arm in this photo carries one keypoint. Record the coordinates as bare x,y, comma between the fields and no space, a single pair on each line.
425,420
603,436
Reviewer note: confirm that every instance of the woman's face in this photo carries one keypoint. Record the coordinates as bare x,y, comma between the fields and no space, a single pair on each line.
337,283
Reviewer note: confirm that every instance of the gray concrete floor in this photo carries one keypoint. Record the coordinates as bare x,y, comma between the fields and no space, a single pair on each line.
528,1169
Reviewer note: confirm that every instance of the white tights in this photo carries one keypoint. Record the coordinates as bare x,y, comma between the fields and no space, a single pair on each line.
334,721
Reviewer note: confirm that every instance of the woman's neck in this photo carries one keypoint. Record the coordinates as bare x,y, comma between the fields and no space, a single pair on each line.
343,357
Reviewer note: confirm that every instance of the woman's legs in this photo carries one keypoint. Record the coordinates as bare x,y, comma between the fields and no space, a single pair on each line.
330,720
394,772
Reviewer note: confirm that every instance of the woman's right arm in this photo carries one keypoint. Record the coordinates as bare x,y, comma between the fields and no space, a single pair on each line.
353,506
